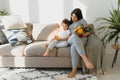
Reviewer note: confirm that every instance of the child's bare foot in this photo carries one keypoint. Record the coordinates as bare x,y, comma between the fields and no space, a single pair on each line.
46,44
46,52
45,55
72,74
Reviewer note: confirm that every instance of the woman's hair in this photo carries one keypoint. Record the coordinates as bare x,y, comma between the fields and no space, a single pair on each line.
78,13
66,21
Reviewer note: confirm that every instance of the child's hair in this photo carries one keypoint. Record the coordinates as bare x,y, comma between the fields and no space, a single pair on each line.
66,21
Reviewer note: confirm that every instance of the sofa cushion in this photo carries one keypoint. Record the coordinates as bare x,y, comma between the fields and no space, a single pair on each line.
5,50
63,52
18,50
42,31
13,22
37,49
17,36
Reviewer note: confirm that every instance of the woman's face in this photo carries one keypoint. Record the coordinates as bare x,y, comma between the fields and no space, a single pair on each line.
74,18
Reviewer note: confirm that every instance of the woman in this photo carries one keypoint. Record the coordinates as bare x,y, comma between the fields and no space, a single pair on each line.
77,44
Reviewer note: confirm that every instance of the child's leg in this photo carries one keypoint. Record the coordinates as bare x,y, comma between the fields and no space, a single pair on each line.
50,47
62,44
47,44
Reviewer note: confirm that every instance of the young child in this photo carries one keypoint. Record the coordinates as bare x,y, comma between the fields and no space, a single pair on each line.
60,39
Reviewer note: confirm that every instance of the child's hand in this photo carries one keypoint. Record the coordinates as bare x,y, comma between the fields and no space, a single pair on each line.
52,39
58,38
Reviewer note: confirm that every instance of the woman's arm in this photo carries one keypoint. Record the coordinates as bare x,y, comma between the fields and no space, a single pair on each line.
87,31
86,34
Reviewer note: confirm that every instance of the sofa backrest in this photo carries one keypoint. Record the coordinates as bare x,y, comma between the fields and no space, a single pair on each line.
42,31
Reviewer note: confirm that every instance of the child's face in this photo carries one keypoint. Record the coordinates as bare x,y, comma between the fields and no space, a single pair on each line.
64,26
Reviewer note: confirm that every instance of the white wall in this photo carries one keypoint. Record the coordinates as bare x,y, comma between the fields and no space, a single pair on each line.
3,4
49,11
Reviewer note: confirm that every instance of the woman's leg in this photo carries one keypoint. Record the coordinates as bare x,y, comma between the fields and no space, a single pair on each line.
50,47
75,42
74,60
78,44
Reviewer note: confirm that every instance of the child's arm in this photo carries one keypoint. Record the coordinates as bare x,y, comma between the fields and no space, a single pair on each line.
54,34
63,39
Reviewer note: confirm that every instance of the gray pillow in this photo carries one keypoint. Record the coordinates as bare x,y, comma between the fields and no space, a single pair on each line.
3,39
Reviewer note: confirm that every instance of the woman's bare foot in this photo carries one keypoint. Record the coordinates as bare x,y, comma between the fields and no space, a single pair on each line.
72,74
89,65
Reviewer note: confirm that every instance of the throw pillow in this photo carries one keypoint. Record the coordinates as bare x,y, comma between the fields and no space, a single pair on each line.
3,39
13,22
29,30
17,36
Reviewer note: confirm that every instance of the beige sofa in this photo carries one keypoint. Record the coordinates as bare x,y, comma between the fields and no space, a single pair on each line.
31,55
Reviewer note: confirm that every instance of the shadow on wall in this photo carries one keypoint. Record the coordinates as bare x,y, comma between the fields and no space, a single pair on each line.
27,9
96,9
33,6
67,7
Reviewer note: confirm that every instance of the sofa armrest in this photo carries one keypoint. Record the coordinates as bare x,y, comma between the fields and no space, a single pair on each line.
41,32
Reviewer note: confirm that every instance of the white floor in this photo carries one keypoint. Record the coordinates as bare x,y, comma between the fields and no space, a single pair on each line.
112,73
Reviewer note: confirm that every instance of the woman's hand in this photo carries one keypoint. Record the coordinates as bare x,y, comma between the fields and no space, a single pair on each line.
86,34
